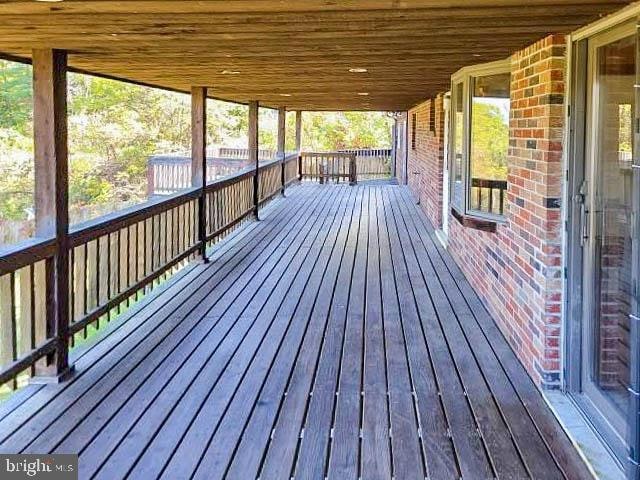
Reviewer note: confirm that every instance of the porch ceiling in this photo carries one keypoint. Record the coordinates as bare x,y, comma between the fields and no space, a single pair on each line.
295,54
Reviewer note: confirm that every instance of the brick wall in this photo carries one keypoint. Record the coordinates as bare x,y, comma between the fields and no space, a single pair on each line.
426,160
517,269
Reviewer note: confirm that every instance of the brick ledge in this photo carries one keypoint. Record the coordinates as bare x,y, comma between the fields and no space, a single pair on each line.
476,223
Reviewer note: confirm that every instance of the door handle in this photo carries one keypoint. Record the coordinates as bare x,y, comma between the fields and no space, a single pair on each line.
581,198
584,218
584,224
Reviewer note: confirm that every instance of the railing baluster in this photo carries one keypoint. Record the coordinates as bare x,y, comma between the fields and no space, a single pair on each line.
103,269
78,283
490,199
41,295
91,279
24,310
6,321
111,261
33,312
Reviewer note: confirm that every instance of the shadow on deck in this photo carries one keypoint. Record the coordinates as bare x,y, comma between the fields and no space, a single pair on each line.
334,338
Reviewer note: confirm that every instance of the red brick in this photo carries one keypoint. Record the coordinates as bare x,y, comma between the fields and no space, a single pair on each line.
529,317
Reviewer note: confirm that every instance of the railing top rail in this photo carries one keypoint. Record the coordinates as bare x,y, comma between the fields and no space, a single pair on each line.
367,151
187,160
25,253
179,160
111,222
246,172
328,154
488,183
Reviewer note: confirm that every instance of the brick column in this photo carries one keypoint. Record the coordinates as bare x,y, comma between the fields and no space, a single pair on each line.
534,193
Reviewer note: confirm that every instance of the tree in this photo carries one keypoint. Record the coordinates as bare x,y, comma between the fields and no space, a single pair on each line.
327,131
16,97
489,142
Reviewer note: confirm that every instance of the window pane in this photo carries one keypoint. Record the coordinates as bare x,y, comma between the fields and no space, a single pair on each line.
489,143
458,146
613,226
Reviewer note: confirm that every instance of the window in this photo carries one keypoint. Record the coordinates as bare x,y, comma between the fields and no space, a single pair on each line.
480,139
414,119
458,146
489,142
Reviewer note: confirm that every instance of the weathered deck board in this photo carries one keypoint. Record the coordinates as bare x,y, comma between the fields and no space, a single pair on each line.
333,339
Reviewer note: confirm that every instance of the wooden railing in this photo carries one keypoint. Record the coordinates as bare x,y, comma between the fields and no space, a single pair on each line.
372,163
170,174
292,169
488,195
241,153
114,260
328,167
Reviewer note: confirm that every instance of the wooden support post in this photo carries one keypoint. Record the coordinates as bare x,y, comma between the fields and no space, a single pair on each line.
253,154
394,135
199,160
298,131
282,126
353,173
52,200
299,142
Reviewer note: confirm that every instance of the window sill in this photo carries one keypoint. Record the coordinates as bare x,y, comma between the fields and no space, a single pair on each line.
476,223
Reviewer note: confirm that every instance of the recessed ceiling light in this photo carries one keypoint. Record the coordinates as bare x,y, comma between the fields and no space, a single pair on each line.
49,1
285,94
358,70
230,72
477,54
363,94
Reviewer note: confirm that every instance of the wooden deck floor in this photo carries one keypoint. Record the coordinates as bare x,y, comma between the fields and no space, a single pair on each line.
332,339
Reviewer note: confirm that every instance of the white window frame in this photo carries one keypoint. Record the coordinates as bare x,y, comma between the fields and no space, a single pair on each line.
465,76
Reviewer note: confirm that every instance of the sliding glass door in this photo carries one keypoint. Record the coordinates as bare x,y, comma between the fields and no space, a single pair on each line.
610,235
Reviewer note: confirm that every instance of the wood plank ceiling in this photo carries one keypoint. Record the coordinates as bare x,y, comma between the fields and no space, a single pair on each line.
294,53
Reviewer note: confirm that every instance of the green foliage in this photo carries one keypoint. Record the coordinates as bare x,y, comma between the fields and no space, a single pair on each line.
84,186
15,96
268,128
326,131
114,127
227,124
489,142
625,131
16,188
16,141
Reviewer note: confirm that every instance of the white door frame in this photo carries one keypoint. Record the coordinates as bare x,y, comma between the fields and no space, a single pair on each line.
443,232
